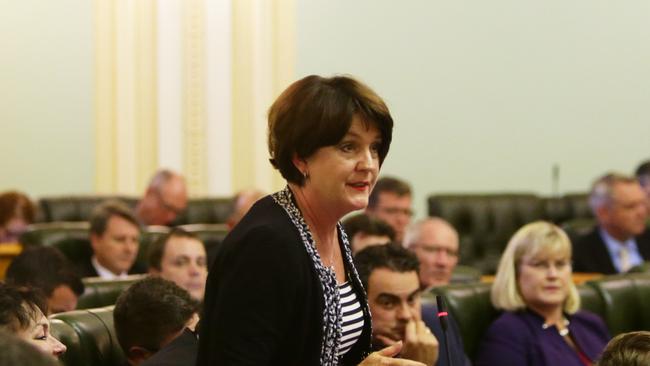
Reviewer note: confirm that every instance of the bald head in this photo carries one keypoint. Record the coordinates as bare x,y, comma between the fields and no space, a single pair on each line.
164,200
435,242
242,202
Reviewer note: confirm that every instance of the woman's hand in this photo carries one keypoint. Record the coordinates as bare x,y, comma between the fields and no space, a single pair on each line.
384,357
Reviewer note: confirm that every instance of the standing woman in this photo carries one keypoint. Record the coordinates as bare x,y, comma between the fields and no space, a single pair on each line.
541,324
282,289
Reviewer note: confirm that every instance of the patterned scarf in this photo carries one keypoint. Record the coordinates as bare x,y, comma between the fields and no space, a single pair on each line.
332,310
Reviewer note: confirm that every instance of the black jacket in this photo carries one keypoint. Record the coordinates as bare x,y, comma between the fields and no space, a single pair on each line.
264,301
590,252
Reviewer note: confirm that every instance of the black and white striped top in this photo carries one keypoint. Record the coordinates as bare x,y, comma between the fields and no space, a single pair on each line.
352,314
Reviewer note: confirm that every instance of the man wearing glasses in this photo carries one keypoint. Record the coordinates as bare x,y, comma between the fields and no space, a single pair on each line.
435,242
390,201
164,200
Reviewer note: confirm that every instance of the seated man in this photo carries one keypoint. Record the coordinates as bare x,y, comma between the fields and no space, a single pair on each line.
48,270
390,201
620,241
363,231
435,242
242,202
164,199
154,322
390,275
22,313
114,237
180,257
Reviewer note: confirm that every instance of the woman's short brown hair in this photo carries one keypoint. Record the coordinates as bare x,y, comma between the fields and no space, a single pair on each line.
315,112
12,201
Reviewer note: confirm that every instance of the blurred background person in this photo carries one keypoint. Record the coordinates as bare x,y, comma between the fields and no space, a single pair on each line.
16,212
242,202
155,323
164,199
363,230
115,240
643,176
627,349
48,270
180,257
621,239
391,201
541,324
22,313
435,242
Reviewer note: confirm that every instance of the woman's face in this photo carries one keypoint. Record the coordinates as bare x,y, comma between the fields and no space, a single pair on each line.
544,280
38,334
342,176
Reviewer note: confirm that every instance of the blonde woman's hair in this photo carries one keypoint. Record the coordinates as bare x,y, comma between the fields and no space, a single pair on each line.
531,239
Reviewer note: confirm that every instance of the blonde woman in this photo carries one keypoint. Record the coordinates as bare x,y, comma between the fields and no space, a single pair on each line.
541,324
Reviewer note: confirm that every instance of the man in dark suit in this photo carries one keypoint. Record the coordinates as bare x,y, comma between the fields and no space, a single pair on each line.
390,275
621,240
155,322
114,238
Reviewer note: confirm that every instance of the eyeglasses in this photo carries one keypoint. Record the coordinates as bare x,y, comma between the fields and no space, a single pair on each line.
167,206
396,211
434,249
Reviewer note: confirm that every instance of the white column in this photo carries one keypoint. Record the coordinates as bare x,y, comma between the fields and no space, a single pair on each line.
219,96
170,85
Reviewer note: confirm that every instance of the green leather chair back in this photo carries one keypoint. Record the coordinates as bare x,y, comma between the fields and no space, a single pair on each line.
591,300
471,307
622,303
100,292
89,336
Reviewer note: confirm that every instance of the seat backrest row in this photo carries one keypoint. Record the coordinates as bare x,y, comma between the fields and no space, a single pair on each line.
621,300
485,222
210,210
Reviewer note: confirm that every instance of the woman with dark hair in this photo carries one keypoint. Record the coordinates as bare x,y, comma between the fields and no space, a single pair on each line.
22,312
283,289
16,212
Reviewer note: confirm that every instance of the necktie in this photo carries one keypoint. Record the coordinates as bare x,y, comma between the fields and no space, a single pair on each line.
624,256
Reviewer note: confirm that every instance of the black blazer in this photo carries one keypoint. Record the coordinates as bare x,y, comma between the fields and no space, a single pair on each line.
264,300
590,252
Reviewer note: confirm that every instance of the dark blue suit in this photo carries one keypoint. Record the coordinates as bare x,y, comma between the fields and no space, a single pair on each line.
458,357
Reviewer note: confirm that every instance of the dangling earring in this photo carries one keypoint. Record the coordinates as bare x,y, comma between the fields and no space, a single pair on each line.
305,175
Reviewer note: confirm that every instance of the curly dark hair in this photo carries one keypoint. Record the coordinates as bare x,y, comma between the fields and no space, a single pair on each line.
19,307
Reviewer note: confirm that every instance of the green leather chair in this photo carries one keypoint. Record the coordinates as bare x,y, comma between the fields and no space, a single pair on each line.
210,234
471,307
621,301
100,292
89,336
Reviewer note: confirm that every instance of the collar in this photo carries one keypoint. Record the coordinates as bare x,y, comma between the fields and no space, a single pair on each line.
614,246
106,273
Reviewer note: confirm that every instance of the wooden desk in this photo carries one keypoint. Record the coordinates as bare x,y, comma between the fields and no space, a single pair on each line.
8,251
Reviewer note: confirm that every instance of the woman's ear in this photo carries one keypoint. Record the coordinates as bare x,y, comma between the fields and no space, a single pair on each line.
299,163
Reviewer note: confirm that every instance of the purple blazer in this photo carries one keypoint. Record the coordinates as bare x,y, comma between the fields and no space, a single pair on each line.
518,339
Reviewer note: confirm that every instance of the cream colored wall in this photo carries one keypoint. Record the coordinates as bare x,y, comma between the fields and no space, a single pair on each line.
488,96
46,96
